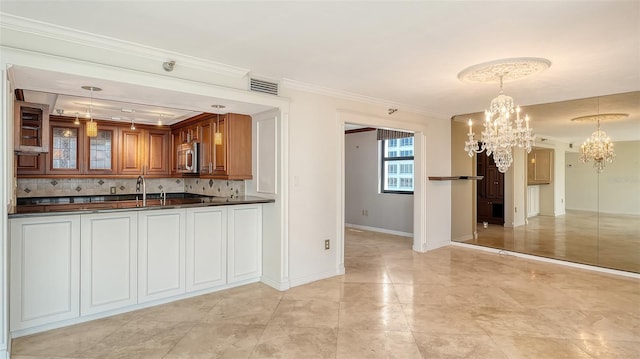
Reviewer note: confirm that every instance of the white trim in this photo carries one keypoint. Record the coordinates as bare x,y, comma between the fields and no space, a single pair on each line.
420,210
6,200
350,96
284,194
549,260
39,28
379,230
281,286
341,202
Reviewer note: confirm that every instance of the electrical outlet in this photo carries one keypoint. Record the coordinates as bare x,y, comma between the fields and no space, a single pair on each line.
326,244
112,190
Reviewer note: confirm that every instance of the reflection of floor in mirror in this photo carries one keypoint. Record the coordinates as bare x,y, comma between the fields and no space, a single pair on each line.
584,237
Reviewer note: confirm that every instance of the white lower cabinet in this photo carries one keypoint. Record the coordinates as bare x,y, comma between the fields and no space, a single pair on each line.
45,270
206,248
244,243
161,244
109,250
71,266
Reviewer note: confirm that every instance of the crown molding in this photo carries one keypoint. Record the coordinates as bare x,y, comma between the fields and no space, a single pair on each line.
307,87
42,29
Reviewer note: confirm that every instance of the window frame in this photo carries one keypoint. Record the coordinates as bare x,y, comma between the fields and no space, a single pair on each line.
383,168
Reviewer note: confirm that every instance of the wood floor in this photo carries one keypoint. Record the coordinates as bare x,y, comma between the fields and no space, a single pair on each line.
582,237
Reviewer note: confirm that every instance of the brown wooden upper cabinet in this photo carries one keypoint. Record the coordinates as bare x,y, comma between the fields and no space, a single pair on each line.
540,166
116,150
101,156
144,152
130,154
67,148
157,149
31,127
232,157
206,147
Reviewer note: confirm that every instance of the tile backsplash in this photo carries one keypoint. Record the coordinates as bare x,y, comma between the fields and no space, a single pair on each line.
52,187
211,187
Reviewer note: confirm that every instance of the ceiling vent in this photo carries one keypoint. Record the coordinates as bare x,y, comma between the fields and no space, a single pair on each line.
267,87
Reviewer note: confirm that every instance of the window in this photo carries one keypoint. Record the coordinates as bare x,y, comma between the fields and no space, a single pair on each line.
406,168
407,141
397,165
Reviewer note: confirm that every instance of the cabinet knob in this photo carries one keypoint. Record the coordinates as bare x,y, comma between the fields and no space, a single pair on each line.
496,182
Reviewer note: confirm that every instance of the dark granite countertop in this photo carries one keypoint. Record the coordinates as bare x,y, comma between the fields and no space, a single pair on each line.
48,206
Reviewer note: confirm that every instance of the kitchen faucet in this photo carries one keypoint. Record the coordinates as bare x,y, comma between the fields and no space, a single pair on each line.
144,189
163,197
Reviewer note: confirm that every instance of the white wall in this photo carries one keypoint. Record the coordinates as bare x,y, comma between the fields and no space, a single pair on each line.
385,211
316,169
617,188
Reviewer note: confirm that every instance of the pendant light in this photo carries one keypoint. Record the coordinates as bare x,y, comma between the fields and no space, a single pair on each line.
133,125
217,136
77,120
92,127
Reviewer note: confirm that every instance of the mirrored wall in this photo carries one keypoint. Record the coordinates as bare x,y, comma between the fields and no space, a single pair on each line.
580,215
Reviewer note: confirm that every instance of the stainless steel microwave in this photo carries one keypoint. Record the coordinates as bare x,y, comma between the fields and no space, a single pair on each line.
187,158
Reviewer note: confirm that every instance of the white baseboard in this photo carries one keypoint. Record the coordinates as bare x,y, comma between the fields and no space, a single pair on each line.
379,230
549,260
277,285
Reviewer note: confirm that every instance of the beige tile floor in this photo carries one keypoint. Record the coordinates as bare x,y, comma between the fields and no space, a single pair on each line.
392,303
610,241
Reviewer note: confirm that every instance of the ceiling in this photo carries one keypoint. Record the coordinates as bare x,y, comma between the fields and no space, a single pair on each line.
409,53
117,101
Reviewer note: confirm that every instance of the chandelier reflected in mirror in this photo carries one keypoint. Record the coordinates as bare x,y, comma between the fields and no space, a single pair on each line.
598,148
502,133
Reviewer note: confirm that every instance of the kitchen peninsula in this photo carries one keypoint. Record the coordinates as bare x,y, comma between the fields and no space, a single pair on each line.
87,240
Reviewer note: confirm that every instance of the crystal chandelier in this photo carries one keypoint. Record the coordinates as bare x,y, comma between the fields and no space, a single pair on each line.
597,148
501,133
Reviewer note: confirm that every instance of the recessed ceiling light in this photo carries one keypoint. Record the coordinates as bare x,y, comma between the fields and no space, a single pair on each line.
127,110
218,106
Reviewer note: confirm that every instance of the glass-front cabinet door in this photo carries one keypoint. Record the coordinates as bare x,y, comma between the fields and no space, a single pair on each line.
100,151
65,149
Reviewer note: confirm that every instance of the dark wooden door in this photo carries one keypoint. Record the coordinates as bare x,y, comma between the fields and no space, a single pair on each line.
490,194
